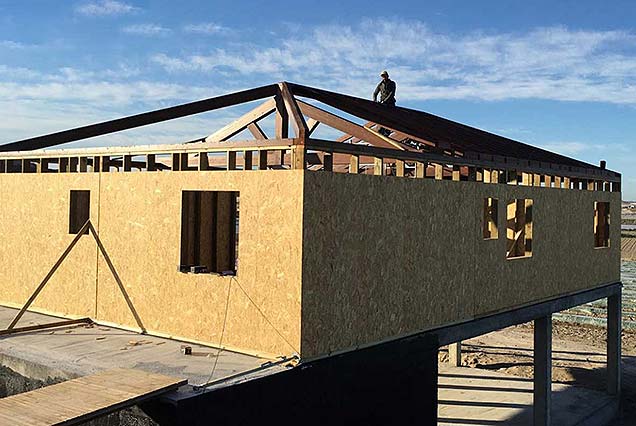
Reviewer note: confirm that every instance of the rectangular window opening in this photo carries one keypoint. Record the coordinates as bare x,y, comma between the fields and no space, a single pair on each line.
601,224
490,230
209,232
519,228
79,210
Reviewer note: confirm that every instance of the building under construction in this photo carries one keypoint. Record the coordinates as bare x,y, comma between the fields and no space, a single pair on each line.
360,255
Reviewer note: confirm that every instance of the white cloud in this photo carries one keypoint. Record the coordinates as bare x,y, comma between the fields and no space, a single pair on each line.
147,30
105,8
546,63
206,28
10,44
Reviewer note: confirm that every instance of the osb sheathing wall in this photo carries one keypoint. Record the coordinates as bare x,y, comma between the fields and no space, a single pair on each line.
34,225
393,256
139,224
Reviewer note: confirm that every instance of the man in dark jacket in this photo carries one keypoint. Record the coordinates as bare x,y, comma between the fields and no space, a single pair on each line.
386,90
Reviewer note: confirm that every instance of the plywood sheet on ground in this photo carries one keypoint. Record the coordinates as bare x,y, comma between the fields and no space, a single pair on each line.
81,399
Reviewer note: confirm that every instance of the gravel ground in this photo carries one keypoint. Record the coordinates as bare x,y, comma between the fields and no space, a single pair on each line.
578,358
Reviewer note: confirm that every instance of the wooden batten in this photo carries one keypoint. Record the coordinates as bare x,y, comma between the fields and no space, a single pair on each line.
354,164
298,160
281,120
536,179
548,181
420,170
399,168
439,171
378,166
456,174
558,181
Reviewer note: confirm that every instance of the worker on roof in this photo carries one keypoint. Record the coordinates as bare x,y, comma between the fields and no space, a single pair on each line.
386,90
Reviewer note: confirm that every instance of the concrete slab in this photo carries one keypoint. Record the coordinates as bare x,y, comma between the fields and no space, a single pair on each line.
471,396
81,350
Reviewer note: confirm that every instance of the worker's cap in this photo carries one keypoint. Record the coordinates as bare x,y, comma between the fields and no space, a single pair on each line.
383,73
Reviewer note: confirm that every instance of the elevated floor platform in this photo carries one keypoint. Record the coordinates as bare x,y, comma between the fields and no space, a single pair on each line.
81,350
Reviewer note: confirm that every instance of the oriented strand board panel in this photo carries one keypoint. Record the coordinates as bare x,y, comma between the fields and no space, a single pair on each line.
34,224
393,256
141,229
563,259
381,258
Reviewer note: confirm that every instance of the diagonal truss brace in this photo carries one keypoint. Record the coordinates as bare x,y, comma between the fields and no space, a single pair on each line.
348,127
87,226
244,122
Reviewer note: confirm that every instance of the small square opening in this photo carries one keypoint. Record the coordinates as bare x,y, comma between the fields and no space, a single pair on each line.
79,210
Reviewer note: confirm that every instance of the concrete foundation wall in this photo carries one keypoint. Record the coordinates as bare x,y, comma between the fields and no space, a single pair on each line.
138,218
393,256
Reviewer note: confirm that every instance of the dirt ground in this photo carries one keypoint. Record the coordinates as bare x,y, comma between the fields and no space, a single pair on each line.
578,358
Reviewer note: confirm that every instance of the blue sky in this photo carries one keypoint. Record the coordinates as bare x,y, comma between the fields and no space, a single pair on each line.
560,76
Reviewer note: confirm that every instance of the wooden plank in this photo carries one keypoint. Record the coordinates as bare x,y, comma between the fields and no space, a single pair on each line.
378,166
456,173
439,171
399,168
241,123
256,131
139,120
311,126
80,400
354,164
153,149
296,117
281,121
45,326
298,157
420,170
348,127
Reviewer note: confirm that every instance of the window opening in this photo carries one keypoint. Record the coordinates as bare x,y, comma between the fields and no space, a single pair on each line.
519,228
490,222
79,210
601,224
209,232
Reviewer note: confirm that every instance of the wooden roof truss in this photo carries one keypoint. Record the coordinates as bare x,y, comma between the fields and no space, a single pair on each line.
392,141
